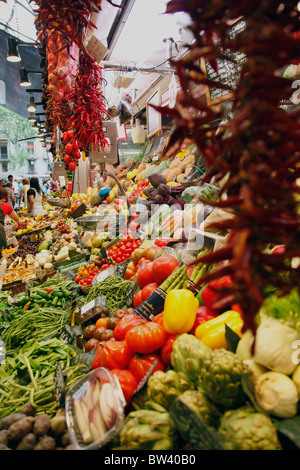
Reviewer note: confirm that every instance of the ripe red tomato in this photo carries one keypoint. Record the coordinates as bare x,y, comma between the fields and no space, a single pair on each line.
137,300
67,159
166,350
75,146
72,166
127,381
127,322
76,154
145,276
158,319
139,365
162,267
148,290
146,338
66,138
69,148
112,355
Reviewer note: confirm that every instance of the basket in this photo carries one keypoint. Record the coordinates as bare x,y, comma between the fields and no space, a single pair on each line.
78,212
59,202
16,287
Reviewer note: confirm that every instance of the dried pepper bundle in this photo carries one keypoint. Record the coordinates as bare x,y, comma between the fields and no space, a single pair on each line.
70,18
89,108
258,149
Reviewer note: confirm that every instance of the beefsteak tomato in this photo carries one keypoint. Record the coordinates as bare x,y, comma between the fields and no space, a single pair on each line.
140,364
112,355
166,350
126,323
128,382
146,338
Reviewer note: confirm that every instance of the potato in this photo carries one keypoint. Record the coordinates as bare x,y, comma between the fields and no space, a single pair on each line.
41,425
9,420
70,447
4,447
45,443
3,437
20,428
28,442
58,425
65,439
28,410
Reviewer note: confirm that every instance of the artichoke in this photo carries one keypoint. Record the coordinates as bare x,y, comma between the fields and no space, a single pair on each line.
200,403
221,378
148,430
164,387
245,429
187,356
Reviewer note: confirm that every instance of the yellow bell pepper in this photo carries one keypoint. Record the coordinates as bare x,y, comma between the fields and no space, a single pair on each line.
180,311
212,332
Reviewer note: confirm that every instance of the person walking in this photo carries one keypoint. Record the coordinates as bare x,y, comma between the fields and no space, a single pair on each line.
23,192
35,197
11,198
5,210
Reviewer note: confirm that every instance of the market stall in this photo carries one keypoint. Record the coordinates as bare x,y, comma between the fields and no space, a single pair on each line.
159,310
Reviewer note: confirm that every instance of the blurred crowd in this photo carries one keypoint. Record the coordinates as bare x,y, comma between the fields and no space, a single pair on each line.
17,189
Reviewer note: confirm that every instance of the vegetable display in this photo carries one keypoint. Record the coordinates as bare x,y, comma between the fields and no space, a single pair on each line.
263,213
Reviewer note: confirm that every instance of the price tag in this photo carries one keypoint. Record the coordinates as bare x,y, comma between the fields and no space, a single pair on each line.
2,352
129,297
121,269
59,385
68,334
62,181
97,301
144,380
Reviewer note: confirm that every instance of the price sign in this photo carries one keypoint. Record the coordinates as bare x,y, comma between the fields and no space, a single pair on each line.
227,73
97,301
68,334
59,385
144,380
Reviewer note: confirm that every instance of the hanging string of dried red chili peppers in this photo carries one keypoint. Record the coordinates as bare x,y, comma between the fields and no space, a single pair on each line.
258,148
89,109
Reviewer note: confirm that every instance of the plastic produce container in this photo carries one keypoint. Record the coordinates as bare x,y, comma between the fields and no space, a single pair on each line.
94,410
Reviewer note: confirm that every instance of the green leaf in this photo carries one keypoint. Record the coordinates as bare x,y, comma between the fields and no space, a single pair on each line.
290,429
193,429
232,339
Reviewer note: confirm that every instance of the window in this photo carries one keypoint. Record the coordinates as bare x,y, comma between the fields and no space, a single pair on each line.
3,151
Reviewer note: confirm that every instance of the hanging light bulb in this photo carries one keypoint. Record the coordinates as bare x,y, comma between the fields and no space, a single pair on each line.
12,50
31,107
32,117
35,125
24,80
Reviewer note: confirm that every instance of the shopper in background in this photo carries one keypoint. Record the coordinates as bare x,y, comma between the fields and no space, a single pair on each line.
15,185
11,198
53,185
5,210
23,192
35,197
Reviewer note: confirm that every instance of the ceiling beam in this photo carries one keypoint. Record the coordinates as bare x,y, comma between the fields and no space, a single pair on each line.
118,25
